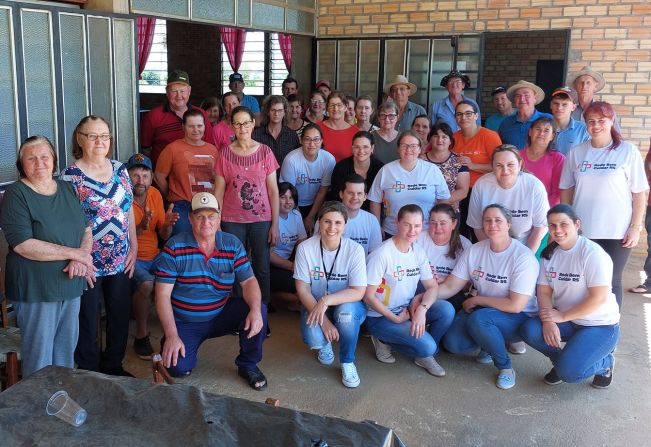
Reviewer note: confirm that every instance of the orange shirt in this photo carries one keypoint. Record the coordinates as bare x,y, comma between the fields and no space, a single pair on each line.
148,240
189,169
478,148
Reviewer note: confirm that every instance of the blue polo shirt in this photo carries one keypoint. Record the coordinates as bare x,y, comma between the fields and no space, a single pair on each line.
515,132
572,135
412,110
251,103
442,110
202,283
493,122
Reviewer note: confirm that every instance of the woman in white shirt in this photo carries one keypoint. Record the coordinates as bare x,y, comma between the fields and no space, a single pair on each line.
330,276
576,305
604,180
503,275
522,193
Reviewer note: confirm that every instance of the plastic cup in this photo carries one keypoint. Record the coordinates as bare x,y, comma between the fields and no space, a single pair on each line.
66,409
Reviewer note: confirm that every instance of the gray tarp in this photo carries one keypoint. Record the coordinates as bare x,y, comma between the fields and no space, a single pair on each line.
132,412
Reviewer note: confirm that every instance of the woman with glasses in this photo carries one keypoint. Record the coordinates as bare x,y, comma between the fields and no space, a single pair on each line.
337,133
274,131
316,110
386,137
363,163
408,180
309,168
364,113
104,190
246,188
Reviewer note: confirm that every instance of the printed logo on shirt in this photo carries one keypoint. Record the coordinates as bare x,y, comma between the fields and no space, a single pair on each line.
596,166
363,241
398,186
286,238
550,274
477,273
383,289
302,179
568,277
441,270
519,213
399,273
316,273
584,166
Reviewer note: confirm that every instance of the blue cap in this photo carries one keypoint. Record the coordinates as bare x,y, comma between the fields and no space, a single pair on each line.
139,160
235,77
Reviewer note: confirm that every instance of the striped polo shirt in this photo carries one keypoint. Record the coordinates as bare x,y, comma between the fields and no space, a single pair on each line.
202,283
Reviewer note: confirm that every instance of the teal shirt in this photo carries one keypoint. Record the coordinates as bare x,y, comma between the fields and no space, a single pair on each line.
58,219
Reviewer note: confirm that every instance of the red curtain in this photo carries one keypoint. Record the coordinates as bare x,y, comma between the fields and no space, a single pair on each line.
285,41
233,39
146,27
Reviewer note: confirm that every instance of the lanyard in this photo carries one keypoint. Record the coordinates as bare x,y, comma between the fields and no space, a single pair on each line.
327,273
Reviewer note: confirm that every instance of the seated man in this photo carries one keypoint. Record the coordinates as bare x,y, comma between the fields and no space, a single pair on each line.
195,274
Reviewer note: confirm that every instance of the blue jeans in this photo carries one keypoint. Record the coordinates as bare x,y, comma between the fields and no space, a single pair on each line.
439,318
142,272
184,208
486,328
347,318
254,236
587,349
229,320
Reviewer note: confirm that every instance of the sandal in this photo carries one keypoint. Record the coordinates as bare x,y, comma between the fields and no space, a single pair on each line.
254,377
639,289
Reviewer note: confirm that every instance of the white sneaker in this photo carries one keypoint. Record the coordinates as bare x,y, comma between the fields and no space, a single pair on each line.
517,347
431,366
349,375
326,356
382,351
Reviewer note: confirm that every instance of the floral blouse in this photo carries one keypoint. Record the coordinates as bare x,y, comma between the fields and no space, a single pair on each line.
106,205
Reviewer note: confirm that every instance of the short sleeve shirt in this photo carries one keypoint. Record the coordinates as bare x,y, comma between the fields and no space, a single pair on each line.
291,230
363,229
306,175
338,142
479,149
439,261
148,239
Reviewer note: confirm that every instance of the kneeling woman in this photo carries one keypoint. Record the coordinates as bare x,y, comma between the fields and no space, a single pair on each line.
503,275
576,304
398,317
330,281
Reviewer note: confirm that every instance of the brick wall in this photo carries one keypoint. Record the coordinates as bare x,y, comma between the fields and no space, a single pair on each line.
614,36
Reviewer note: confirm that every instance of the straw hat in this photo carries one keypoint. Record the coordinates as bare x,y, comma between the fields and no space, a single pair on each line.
540,95
587,70
400,80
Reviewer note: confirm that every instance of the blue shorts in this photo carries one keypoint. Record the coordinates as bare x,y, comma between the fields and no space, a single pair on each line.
142,272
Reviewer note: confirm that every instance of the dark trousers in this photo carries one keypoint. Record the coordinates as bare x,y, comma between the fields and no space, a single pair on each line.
117,302
619,256
229,320
464,229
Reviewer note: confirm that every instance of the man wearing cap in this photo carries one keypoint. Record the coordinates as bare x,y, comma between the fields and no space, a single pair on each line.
151,221
400,90
503,106
324,87
162,124
443,109
289,87
195,273
515,128
568,131
236,84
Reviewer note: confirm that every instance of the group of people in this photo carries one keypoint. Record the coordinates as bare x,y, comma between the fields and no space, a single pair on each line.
346,221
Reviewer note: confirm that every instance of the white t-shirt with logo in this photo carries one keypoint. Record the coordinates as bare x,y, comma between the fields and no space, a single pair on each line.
395,187
396,274
311,268
437,255
527,200
496,274
570,273
603,181
290,231
307,176
363,229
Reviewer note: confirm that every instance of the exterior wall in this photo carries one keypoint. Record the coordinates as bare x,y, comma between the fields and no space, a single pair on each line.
614,36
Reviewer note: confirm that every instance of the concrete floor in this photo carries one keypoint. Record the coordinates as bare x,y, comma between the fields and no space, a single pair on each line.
462,409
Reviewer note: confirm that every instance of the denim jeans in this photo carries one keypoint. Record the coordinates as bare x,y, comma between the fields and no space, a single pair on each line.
587,349
254,236
347,318
647,262
183,207
439,318
486,328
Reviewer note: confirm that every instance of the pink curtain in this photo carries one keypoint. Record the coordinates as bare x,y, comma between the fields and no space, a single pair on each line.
285,41
233,39
146,27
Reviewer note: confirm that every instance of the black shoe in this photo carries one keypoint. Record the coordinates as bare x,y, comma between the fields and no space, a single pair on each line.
268,334
551,378
601,381
116,372
143,348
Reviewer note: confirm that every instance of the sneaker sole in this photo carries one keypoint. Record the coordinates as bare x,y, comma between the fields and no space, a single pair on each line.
351,384
552,383
431,373
612,370
506,386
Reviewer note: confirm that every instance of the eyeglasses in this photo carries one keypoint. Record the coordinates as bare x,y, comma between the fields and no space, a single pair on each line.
94,136
277,111
337,106
412,147
468,114
316,103
315,140
385,116
245,124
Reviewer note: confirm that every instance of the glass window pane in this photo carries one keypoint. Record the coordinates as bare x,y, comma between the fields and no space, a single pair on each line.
243,12
347,67
252,67
268,16
326,64
154,76
222,11
39,76
369,67
73,74
177,8
441,65
419,68
278,68
300,21
101,84
394,59
125,89
305,3
8,114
